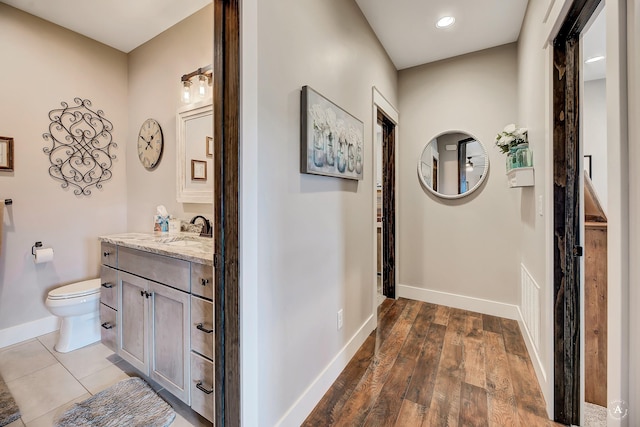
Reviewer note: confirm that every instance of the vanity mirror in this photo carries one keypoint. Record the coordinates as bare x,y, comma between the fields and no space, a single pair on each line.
453,165
195,143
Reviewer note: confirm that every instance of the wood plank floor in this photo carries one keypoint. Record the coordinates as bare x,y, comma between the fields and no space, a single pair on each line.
430,365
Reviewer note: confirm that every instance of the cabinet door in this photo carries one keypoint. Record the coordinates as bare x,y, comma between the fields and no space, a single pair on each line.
170,339
133,314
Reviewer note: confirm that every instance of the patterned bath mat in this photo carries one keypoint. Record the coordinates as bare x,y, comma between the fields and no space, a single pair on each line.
9,411
131,402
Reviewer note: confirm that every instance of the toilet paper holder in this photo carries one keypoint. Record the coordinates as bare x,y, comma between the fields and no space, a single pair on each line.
33,248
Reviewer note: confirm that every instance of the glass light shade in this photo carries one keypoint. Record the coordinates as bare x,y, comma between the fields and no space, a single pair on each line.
186,91
202,85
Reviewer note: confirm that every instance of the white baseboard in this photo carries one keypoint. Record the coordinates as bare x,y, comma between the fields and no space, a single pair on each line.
302,407
479,305
534,355
493,308
27,331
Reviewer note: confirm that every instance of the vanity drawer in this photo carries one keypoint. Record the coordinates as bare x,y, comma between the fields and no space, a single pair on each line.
202,386
109,286
202,326
159,268
202,280
109,254
108,329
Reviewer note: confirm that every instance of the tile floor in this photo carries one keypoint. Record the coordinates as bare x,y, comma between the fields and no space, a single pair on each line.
45,383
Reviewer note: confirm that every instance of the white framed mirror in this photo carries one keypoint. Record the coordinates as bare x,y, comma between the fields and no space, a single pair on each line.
195,153
453,165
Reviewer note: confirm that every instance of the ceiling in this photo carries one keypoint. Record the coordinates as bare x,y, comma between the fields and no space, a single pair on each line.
407,28
594,44
121,24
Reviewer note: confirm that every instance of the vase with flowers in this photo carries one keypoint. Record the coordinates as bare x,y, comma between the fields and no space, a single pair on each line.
514,142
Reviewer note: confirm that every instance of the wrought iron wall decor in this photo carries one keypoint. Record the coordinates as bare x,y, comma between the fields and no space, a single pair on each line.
81,146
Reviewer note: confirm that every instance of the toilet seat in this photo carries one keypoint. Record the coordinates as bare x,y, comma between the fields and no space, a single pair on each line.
75,290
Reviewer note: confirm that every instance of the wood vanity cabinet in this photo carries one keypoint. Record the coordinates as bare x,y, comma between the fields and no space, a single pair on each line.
202,334
163,309
109,297
155,332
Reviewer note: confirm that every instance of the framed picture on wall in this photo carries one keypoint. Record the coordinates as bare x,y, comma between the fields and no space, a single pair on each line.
198,170
332,140
6,153
209,146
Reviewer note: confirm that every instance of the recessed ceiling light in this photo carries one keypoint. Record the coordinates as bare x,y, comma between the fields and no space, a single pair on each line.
594,59
445,21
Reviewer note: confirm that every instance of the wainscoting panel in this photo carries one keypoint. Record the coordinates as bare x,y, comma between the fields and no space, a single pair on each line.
530,305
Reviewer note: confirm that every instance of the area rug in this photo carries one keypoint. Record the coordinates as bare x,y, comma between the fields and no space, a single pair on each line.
9,411
131,402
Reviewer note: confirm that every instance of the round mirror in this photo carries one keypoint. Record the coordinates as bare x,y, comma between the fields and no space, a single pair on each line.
453,165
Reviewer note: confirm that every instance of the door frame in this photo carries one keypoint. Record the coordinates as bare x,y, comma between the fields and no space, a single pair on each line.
226,116
382,105
388,204
566,207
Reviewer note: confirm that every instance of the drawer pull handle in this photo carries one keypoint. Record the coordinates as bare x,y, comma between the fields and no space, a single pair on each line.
204,282
203,329
202,389
107,325
107,285
142,293
106,253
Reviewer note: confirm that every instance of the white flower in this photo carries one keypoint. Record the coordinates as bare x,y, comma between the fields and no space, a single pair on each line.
520,132
510,137
505,139
318,116
331,119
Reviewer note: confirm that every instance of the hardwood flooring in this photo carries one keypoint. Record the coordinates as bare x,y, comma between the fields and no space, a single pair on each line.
429,365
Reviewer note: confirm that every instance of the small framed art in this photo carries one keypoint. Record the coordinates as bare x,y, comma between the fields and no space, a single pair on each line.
209,146
6,153
198,170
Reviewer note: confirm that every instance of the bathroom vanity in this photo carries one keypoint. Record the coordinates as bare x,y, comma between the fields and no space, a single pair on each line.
156,310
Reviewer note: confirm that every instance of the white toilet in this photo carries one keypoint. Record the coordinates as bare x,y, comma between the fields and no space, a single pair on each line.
77,304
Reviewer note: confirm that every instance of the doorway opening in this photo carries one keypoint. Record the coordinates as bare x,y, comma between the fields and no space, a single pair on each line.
385,206
568,232
594,187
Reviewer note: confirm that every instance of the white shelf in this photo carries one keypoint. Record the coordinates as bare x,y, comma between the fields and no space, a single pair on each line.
520,177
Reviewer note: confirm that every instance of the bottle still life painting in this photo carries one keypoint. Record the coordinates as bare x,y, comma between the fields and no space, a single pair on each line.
332,139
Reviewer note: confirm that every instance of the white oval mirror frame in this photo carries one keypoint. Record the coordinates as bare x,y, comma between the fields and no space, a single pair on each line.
450,146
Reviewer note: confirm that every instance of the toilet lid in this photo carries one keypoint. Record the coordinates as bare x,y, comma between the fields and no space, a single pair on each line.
78,289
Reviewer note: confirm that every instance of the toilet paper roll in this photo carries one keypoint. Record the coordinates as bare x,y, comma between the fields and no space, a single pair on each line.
43,255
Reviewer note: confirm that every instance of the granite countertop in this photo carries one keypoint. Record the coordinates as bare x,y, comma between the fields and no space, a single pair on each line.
183,245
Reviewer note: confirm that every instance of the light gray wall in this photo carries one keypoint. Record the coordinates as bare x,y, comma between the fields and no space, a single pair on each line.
315,233
534,94
44,65
595,134
155,69
477,94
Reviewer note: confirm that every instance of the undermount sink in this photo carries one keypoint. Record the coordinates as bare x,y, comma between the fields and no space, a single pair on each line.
183,243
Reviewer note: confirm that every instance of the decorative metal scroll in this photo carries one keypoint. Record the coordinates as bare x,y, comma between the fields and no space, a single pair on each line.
82,143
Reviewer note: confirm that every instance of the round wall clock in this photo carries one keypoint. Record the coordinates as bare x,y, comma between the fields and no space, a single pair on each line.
150,143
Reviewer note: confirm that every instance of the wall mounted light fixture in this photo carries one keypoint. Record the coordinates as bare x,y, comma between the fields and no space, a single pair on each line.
190,94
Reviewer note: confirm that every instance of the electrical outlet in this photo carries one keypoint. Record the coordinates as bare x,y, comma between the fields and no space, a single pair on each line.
339,319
